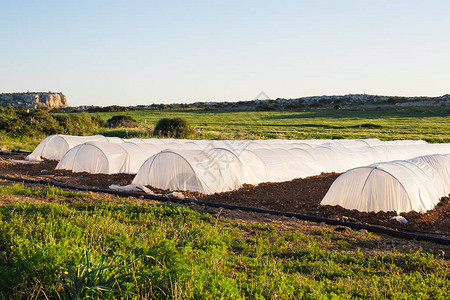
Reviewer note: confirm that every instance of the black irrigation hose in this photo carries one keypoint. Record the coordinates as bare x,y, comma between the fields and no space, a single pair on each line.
15,152
372,228
426,232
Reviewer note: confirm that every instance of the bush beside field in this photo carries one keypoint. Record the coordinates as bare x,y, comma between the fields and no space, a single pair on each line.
178,128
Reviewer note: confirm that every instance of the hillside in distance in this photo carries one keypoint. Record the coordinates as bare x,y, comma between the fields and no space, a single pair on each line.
351,101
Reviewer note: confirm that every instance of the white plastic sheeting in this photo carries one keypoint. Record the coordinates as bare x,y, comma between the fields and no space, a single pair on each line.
55,146
138,153
107,158
341,159
255,170
236,161
263,164
193,170
96,158
282,164
411,185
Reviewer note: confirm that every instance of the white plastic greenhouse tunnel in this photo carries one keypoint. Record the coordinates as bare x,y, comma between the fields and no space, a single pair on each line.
108,158
416,184
138,153
96,158
217,170
193,170
236,162
55,146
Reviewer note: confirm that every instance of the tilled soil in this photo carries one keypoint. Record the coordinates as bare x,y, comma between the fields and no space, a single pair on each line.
300,196
45,170
303,196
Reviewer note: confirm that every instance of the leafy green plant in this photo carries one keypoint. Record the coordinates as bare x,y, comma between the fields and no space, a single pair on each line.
12,124
79,124
17,122
176,128
94,279
41,121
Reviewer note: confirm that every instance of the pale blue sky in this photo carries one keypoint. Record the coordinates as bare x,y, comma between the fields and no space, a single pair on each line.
143,52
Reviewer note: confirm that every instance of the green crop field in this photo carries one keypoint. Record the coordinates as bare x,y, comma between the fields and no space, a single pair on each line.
58,244
432,125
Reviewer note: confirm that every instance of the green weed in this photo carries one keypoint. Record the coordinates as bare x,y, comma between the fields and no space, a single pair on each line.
90,279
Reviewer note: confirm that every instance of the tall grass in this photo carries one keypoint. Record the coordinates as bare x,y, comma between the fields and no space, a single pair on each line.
173,252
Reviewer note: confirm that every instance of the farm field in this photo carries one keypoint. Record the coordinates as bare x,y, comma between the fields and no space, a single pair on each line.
142,249
430,124
224,150
297,196
60,244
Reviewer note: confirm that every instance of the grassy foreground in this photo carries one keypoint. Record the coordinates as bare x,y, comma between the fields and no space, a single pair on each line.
73,245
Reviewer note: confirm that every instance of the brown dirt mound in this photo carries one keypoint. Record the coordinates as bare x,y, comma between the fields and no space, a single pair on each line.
298,195
46,171
303,196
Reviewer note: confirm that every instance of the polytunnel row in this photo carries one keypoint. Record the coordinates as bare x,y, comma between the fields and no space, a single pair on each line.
219,169
128,157
55,146
416,184
216,166
112,158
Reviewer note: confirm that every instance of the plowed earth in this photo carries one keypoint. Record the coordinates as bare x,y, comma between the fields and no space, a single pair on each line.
301,196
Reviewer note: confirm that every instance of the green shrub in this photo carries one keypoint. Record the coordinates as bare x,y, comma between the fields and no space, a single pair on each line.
27,123
78,124
42,121
266,107
13,124
121,121
176,128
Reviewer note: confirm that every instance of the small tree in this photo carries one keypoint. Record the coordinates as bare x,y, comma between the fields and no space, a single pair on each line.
176,128
121,121
41,121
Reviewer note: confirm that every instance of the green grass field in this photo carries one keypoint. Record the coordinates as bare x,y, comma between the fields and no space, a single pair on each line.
60,244
432,125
